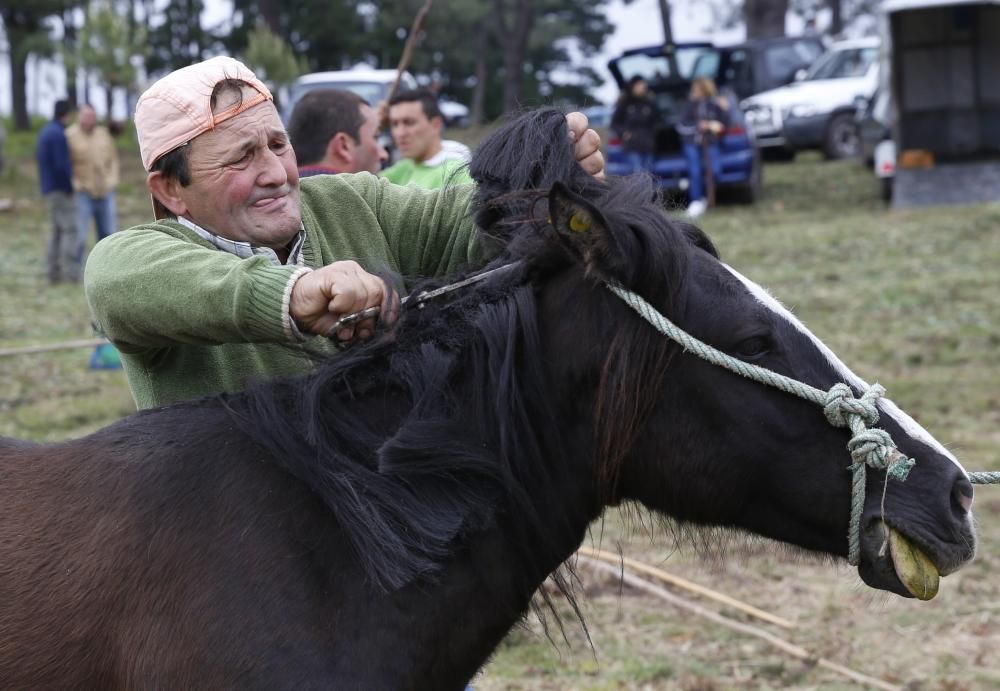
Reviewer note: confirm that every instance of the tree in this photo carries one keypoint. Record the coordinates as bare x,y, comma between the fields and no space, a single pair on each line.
179,39
28,33
271,58
107,46
530,46
467,46
844,14
328,35
765,18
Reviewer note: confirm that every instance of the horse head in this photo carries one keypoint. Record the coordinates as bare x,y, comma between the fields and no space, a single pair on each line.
686,437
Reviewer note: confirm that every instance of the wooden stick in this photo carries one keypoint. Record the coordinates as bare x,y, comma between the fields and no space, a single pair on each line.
776,641
687,585
51,347
706,163
404,60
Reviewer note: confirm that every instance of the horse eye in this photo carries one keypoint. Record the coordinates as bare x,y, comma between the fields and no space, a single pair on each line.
752,347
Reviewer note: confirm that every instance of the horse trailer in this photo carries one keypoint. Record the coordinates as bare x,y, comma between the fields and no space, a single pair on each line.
939,63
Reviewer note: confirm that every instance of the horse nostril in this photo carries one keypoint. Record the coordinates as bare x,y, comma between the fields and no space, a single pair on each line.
961,496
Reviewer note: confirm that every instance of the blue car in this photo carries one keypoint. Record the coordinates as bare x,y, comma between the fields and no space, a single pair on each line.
669,70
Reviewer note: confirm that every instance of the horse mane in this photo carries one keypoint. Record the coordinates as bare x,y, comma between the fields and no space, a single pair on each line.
407,484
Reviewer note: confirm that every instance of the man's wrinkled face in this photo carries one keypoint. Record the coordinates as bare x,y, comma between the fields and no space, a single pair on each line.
87,118
417,136
367,153
244,178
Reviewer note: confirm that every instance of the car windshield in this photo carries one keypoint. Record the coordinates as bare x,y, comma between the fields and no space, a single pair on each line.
841,64
692,61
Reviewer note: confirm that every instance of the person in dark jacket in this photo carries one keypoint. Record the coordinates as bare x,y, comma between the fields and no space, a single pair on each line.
55,175
635,120
705,119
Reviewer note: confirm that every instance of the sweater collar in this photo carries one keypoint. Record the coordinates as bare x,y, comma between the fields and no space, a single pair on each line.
245,250
309,171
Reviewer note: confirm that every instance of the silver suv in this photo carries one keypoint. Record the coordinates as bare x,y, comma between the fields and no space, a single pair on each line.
817,111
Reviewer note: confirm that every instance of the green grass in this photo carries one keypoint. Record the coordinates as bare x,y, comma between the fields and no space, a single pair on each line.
908,298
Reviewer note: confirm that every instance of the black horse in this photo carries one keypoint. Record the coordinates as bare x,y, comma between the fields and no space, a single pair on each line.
383,522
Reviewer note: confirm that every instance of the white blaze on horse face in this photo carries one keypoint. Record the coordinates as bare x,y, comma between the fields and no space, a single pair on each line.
890,409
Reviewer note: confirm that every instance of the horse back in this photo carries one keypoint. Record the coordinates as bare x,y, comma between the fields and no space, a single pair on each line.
141,551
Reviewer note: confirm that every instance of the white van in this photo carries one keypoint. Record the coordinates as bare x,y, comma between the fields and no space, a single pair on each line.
817,111
371,85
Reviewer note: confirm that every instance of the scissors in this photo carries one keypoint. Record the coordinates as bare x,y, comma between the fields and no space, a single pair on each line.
419,299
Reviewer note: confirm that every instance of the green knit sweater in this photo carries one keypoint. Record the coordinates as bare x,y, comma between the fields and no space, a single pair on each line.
191,320
406,171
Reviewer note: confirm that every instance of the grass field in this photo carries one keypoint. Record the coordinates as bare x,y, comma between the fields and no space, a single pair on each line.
911,299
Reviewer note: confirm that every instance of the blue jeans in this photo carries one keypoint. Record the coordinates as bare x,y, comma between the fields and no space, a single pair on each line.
640,161
101,209
696,172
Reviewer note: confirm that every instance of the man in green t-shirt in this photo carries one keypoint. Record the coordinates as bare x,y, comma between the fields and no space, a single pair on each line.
242,261
416,123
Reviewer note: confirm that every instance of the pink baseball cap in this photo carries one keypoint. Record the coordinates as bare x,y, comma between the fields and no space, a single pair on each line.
178,107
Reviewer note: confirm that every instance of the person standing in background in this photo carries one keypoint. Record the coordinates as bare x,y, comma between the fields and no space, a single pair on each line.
55,177
635,120
417,123
704,121
334,131
95,176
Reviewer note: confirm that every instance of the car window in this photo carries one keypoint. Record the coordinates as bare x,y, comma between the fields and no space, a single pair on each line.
738,73
841,64
373,92
656,68
783,61
705,65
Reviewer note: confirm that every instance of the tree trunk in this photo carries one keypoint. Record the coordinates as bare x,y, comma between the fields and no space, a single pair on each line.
668,33
479,93
836,18
85,96
69,39
109,99
133,24
18,25
765,18
513,37
18,81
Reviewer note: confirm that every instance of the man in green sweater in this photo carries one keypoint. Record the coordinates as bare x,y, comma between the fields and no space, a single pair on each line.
242,261
416,123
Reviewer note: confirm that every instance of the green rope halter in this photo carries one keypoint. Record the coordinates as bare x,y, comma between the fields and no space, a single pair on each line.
869,446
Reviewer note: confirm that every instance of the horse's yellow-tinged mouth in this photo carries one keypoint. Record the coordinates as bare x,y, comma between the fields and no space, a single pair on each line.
913,568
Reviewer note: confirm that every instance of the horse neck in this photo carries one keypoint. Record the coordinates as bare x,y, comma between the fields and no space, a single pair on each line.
487,587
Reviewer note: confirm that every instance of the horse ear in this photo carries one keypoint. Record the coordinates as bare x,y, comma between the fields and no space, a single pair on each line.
581,227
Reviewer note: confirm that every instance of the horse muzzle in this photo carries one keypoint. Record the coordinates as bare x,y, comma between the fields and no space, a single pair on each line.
905,564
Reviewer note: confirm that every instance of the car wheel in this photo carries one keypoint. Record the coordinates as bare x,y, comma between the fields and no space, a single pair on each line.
841,137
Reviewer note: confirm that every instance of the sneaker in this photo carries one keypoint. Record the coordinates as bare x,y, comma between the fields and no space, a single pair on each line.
696,208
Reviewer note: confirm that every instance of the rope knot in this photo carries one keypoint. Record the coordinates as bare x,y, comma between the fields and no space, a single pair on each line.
841,404
875,448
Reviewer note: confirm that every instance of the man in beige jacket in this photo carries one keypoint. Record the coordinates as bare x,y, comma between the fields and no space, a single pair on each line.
95,175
